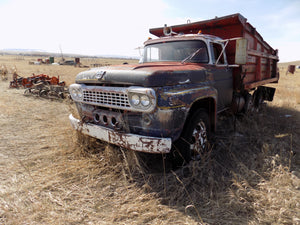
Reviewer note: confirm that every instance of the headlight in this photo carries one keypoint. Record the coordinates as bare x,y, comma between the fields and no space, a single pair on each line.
76,92
135,99
142,99
145,101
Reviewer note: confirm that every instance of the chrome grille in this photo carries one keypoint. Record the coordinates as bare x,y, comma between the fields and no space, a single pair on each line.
102,97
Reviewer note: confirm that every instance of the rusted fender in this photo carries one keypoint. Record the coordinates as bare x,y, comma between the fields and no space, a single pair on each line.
185,97
129,141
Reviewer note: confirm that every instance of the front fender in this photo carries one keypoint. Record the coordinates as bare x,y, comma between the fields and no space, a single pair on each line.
184,98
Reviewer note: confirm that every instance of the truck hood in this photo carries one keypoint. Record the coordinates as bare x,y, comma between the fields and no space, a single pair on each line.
146,74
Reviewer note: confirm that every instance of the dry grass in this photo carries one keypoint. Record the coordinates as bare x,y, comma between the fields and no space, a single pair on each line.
52,175
290,89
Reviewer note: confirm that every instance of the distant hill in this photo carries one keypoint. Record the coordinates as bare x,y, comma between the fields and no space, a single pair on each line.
22,50
35,52
43,53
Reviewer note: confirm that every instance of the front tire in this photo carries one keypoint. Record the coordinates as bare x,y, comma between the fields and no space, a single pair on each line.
194,138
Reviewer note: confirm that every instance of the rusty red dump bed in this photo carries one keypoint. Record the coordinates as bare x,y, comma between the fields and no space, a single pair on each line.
261,59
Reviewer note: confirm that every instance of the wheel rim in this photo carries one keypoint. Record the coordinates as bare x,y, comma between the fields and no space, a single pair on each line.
199,138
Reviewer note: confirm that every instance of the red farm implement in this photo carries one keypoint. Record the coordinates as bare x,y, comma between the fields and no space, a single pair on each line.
34,79
41,85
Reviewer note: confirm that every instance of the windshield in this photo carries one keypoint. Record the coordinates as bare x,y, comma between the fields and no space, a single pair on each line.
178,51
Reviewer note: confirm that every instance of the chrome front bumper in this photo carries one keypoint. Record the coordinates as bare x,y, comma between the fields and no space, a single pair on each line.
129,141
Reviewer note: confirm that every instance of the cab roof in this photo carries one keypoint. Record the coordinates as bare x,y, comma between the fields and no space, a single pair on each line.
183,37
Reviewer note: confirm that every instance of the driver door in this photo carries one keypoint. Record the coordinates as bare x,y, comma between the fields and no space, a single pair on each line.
222,76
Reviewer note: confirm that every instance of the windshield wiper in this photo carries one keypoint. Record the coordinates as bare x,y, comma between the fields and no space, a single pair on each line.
191,55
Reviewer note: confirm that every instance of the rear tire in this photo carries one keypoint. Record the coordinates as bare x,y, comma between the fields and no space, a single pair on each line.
194,138
258,100
249,104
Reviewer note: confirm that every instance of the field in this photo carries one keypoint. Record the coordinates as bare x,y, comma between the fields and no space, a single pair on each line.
52,175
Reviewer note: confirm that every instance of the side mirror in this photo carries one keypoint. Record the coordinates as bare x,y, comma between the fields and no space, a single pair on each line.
241,51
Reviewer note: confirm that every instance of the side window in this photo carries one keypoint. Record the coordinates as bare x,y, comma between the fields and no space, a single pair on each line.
217,50
153,54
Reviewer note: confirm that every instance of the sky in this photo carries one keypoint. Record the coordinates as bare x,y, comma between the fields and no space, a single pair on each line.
119,27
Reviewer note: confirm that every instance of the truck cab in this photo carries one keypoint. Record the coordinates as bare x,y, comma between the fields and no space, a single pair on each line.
207,51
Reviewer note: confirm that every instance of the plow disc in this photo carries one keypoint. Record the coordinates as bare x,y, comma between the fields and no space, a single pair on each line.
45,90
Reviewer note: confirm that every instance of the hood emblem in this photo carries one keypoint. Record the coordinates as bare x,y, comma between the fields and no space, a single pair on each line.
99,75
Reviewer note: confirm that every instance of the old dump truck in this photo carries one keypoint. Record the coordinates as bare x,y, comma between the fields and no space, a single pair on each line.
170,100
